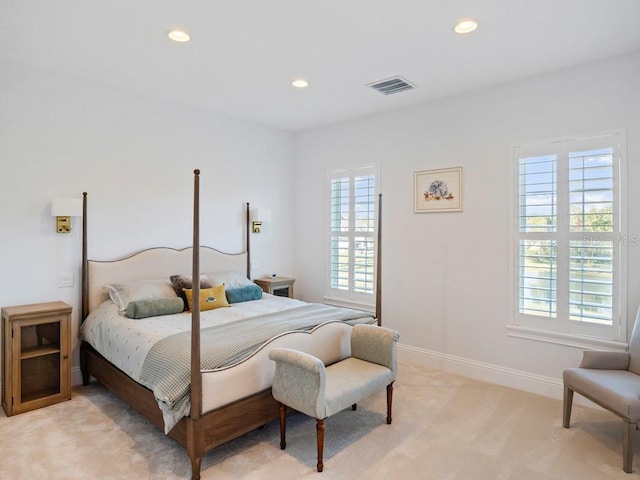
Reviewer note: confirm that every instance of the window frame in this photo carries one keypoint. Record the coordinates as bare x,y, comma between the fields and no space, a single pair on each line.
560,329
350,298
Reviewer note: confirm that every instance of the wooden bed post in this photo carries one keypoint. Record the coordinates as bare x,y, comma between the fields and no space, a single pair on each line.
195,434
379,264
84,310
248,240
196,379
85,271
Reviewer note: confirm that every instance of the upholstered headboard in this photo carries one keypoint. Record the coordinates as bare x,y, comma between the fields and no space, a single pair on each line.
157,263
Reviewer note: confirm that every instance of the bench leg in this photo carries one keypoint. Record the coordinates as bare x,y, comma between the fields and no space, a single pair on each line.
627,447
566,408
389,402
283,425
320,430
354,406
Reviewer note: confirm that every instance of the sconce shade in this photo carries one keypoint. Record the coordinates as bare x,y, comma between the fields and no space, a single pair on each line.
63,209
258,217
66,207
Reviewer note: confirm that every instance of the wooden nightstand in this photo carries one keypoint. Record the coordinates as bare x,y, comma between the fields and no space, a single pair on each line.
36,364
280,286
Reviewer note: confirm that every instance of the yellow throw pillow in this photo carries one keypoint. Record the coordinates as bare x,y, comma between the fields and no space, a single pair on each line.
210,298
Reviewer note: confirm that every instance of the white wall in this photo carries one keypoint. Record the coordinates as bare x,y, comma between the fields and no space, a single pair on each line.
135,156
445,275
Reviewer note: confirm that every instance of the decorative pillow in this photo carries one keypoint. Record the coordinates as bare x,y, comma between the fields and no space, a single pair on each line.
244,294
180,282
123,293
230,279
210,298
154,307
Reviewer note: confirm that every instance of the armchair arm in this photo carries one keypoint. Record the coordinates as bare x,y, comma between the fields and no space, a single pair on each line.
605,360
299,381
375,344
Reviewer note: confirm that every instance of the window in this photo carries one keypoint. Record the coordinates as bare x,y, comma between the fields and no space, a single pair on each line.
352,240
568,245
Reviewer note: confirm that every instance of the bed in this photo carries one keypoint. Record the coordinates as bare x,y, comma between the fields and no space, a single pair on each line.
212,398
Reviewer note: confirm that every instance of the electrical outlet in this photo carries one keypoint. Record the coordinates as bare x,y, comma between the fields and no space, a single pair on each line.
65,279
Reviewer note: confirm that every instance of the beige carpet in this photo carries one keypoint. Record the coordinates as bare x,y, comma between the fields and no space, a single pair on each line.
444,427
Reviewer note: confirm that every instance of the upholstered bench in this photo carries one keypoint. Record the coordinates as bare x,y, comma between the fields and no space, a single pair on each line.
303,383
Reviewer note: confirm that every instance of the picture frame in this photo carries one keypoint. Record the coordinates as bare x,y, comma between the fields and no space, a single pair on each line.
438,190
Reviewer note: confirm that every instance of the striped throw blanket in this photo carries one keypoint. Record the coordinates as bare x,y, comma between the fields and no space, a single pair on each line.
166,368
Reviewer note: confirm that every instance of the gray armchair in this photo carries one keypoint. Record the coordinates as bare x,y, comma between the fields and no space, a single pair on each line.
612,380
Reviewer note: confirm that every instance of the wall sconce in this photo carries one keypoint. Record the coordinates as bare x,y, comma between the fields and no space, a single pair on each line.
64,209
259,216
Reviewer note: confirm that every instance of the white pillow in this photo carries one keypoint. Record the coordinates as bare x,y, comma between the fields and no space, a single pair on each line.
123,293
229,279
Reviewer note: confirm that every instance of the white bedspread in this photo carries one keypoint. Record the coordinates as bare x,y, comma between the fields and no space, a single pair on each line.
126,342
105,323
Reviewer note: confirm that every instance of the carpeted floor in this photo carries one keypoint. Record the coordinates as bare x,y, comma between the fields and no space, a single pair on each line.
444,427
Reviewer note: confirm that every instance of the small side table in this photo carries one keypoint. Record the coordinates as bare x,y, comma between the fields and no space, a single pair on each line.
279,286
36,363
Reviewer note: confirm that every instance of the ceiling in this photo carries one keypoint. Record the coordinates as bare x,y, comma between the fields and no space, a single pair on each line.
243,54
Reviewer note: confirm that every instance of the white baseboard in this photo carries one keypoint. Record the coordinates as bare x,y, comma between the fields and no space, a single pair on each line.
507,377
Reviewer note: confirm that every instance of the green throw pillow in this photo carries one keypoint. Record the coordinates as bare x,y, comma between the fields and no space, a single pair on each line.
154,307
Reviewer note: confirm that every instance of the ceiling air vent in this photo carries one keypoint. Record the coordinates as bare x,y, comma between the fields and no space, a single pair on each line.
392,85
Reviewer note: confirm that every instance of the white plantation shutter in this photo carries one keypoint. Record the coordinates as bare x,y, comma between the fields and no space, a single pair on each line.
568,242
538,206
352,235
592,224
340,241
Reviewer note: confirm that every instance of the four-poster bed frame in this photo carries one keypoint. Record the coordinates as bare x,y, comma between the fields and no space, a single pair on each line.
198,432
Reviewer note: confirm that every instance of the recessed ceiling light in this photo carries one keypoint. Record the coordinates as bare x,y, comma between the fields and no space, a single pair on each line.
466,25
300,83
179,36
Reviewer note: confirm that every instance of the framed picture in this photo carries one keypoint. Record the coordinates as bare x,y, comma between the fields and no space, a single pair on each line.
438,190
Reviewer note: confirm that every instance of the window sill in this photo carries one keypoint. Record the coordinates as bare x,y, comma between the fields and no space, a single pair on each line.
565,339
